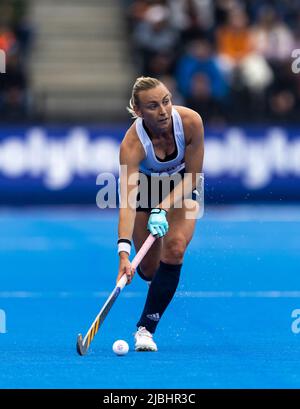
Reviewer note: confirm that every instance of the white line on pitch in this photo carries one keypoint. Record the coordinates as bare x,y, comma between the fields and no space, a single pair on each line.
139,294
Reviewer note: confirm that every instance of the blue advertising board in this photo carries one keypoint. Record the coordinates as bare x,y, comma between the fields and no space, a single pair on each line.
60,165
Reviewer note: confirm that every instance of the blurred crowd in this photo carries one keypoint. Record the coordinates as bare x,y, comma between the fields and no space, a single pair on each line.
15,40
229,60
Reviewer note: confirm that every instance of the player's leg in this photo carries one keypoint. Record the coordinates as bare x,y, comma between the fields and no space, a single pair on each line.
182,226
147,269
150,262
166,279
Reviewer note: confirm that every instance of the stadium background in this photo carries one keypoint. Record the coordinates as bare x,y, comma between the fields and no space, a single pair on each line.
70,67
69,76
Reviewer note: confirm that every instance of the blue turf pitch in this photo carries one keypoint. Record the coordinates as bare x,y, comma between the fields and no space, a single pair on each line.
229,326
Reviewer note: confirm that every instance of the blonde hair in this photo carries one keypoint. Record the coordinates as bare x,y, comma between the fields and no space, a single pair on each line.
141,84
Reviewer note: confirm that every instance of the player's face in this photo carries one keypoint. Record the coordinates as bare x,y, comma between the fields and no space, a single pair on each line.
155,107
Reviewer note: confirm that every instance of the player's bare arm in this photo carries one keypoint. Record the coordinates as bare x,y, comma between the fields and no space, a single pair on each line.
131,154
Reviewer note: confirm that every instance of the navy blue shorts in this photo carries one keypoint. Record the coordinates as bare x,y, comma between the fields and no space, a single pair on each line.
154,201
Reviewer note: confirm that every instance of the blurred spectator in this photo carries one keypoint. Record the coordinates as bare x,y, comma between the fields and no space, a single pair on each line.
282,104
191,17
15,40
249,72
237,52
154,35
201,100
234,37
160,64
171,84
283,96
199,59
272,37
221,10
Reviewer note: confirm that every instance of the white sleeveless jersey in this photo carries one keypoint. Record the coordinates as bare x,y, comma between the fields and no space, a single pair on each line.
151,164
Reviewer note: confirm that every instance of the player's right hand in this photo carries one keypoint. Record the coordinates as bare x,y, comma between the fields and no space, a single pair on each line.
125,268
158,223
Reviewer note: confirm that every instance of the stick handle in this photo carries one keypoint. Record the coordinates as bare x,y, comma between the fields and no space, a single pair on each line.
137,259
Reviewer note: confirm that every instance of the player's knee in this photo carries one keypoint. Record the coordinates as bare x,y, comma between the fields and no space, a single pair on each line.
174,250
192,209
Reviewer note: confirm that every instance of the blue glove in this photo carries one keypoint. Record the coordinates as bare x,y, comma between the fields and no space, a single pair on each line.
157,223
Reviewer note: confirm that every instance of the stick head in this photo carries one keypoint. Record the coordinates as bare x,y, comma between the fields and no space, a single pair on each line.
81,348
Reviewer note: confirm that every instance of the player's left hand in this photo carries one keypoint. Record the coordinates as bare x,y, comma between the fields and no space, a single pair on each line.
157,223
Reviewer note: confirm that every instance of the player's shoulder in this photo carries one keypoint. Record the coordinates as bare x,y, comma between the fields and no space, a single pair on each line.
191,121
188,116
131,145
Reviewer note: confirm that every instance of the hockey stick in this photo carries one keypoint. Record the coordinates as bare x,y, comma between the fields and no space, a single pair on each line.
84,343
